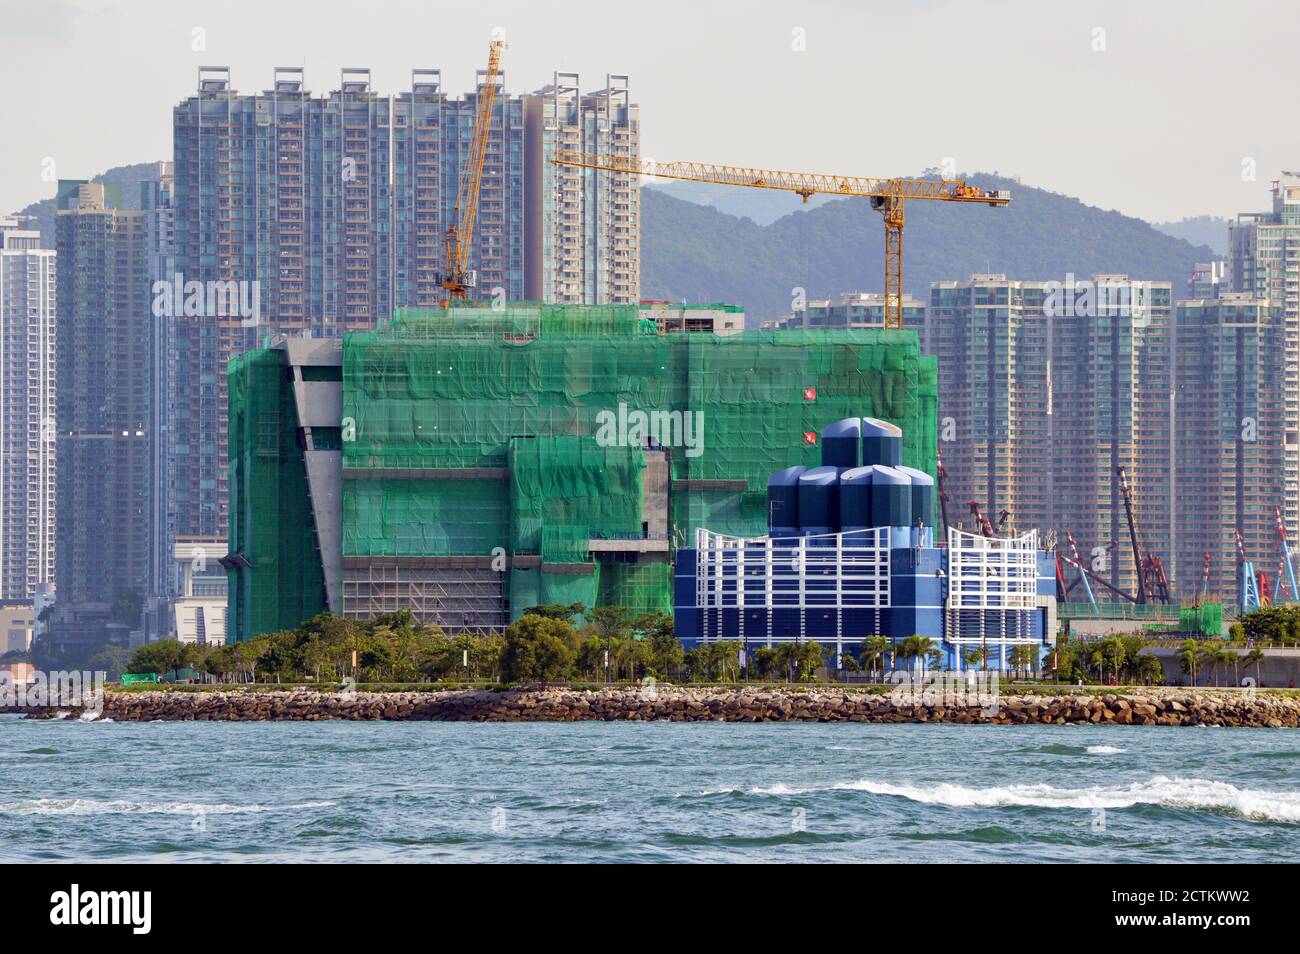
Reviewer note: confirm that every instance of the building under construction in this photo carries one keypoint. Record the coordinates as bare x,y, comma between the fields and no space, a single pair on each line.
471,462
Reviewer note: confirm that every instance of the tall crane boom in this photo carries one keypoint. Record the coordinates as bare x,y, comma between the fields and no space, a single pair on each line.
887,197
457,278
1138,568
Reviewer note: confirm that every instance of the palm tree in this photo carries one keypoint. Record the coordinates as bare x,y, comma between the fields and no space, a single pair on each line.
1229,657
1022,657
1188,657
1210,656
1254,658
873,653
922,647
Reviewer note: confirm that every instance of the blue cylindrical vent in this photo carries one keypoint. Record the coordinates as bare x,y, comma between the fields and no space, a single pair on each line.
891,497
842,443
882,443
855,499
922,496
783,501
817,500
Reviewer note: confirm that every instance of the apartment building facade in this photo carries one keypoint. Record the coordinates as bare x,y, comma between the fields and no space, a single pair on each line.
583,225
1046,388
1264,262
327,212
1228,463
432,133
103,407
28,296
854,310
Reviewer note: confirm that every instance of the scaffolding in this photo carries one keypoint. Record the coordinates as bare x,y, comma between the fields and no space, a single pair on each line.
514,436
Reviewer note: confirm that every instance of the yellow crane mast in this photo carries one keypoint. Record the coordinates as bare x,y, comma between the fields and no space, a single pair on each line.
457,277
887,197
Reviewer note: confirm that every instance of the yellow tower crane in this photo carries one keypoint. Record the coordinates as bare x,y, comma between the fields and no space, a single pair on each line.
457,277
887,197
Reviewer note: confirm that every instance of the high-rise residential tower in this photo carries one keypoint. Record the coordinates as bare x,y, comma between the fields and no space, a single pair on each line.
321,214
160,263
27,409
1228,473
432,133
104,417
1045,389
583,225
1264,262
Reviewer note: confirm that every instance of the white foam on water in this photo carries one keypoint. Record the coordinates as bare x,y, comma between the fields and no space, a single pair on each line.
1185,793
90,806
1104,750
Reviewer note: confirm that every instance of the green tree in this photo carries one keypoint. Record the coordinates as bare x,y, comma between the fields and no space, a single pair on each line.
163,656
557,611
976,656
1254,658
666,654
222,662
1147,669
112,660
873,653
1023,657
1189,658
248,656
765,663
919,648
539,648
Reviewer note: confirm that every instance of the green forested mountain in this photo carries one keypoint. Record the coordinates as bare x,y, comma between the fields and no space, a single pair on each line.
694,252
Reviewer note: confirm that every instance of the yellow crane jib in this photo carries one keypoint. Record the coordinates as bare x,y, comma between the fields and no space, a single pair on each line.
457,277
887,196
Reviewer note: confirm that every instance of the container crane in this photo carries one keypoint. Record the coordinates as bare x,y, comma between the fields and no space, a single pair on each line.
1247,582
1074,552
981,522
1288,584
458,278
1086,574
1138,569
887,196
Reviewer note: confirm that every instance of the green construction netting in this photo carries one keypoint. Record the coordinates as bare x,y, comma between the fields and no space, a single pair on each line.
448,400
566,490
518,320
641,587
271,523
541,390
393,517
534,587
1206,619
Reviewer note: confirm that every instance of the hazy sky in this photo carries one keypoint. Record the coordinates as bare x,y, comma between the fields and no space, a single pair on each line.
1158,108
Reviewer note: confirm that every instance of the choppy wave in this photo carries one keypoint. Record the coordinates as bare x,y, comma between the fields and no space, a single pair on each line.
90,806
1104,750
1184,793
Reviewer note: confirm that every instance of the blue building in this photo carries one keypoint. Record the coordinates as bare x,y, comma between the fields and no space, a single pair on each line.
851,553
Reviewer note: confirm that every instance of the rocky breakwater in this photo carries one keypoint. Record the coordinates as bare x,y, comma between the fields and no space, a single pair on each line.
1164,707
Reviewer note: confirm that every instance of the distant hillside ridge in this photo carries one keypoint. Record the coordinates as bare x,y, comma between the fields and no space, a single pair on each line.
694,252
122,184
